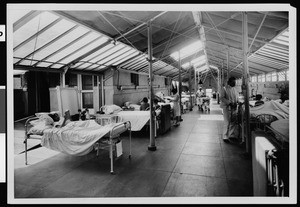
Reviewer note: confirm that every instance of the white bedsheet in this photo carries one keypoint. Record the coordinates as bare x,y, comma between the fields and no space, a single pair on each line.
271,107
76,138
138,119
282,126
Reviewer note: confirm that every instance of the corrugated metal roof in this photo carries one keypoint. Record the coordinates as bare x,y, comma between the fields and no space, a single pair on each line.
94,41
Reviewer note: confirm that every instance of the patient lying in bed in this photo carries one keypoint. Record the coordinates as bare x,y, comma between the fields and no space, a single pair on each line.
75,138
45,121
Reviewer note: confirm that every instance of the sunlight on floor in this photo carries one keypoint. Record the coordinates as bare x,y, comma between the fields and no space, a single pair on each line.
211,117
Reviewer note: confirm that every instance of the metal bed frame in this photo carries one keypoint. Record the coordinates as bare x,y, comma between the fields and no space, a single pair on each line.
110,139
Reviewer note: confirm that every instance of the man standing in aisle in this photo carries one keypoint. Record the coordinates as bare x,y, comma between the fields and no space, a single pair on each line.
229,100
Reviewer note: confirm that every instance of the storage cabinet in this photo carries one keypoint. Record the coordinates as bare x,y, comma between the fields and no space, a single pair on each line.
165,118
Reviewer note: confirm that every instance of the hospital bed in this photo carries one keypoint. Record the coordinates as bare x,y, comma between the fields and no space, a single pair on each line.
80,137
139,119
261,117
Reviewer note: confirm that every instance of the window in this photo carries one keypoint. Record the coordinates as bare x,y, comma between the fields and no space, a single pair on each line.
95,81
71,79
87,94
254,79
268,77
259,78
17,82
281,76
263,78
274,76
87,100
87,82
134,79
166,81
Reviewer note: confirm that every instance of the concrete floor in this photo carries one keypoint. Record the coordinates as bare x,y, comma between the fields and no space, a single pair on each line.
191,160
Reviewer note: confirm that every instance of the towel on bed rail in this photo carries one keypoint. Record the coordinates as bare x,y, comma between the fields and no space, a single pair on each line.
76,138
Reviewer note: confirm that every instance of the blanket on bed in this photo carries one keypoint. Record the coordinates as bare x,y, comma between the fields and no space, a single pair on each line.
138,119
76,138
271,107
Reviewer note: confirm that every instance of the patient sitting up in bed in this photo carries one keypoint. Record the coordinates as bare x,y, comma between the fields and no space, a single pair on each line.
144,104
258,100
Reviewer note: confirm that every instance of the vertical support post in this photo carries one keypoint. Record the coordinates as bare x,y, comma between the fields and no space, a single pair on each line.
223,73
63,80
195,87
180,84
97,94
102,91
245,86
37,101
227,63
190,87
151,146
219,87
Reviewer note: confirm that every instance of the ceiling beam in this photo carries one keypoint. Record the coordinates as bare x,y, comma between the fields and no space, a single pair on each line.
49,43
269,59
89,53
77,21
264,68
39,69
139,26
217,43
35,35
59,50
257,51
25,19
262,22
237,34
73,62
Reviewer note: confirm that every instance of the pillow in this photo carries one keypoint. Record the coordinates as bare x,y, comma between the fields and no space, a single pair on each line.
39,128
47,119
111,109
127,104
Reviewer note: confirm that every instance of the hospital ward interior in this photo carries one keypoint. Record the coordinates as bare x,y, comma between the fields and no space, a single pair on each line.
150,104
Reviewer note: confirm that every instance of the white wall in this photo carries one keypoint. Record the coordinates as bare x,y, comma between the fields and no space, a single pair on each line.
127,91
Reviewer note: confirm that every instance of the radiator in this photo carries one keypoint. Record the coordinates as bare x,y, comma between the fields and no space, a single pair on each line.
270,167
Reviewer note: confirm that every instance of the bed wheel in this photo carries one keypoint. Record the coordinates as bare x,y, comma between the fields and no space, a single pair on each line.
112,173
129,156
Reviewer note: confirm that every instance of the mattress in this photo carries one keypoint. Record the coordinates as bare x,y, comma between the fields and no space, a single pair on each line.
281,126
138,119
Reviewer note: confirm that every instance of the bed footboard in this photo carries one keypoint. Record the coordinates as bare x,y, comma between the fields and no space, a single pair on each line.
113,138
